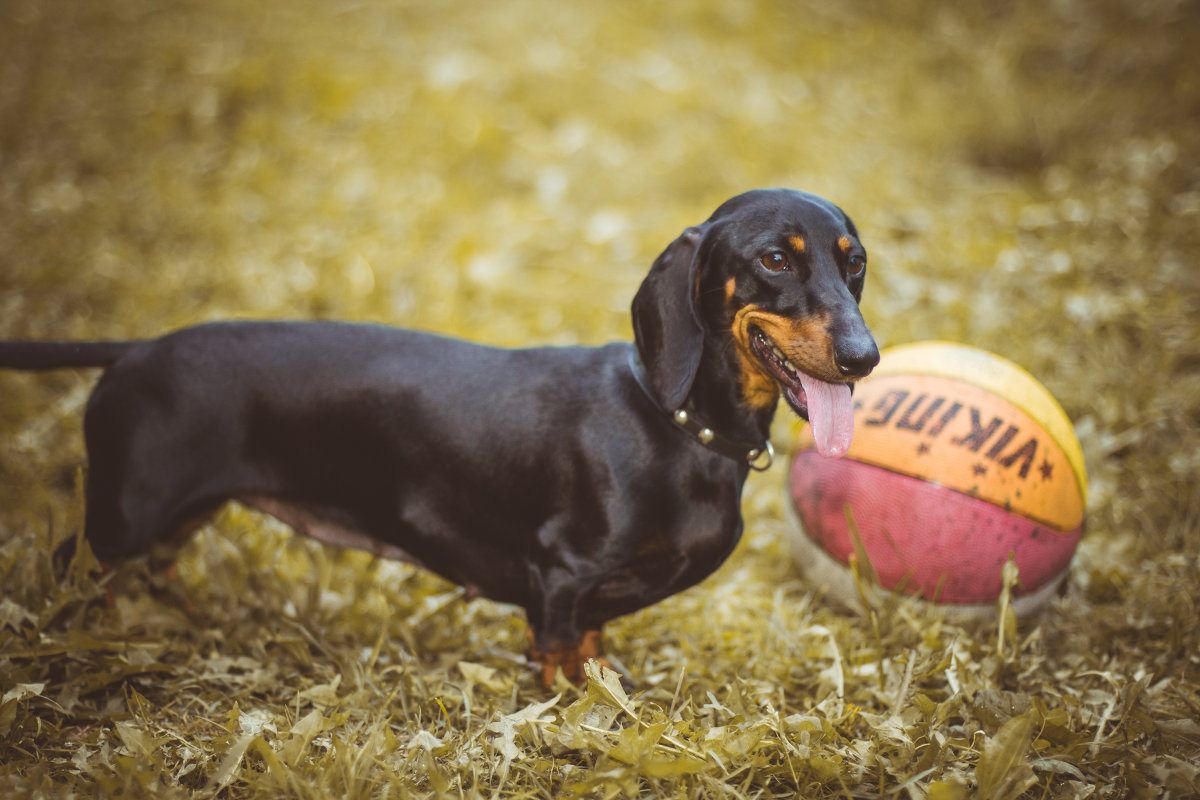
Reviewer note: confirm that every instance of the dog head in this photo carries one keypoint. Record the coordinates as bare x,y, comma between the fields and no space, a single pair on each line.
773,276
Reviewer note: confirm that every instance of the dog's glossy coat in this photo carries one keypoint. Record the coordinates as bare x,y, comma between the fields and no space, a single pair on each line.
544,477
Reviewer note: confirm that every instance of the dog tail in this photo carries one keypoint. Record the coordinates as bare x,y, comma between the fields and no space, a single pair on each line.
34,355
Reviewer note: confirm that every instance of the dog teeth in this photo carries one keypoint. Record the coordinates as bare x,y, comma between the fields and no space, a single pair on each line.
782,358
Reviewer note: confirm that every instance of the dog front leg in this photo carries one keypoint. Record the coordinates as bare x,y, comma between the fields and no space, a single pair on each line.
556,637
568,657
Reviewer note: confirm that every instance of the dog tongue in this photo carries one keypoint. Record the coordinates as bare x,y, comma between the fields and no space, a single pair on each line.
831,415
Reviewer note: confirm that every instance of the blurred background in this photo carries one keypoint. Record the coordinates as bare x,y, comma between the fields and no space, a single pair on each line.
1024,175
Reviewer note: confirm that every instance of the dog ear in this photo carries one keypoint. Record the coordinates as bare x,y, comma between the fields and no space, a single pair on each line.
666,325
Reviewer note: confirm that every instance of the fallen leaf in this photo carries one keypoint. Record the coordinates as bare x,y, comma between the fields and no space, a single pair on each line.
1001,772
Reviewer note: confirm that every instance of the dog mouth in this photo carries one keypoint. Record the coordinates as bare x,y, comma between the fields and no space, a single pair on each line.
786,374
826,406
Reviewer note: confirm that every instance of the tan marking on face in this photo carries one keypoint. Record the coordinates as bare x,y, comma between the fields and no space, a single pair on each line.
804,342
798,244
730,288
844,244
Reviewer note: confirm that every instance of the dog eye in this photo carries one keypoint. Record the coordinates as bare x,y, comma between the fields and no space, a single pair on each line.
857,265
775,262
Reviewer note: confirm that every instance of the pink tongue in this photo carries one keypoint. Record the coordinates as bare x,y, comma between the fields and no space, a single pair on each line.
831,415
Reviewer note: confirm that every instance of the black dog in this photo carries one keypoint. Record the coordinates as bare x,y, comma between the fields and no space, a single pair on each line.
580,483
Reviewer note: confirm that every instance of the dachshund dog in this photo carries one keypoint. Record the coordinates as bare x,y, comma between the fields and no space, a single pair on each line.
580,483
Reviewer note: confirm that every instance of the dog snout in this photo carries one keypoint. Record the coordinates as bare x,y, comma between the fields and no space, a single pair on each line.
856,356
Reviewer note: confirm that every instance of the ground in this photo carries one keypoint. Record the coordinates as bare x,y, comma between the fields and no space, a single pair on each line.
1025,179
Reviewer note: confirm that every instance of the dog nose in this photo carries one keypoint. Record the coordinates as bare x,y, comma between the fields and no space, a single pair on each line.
856,359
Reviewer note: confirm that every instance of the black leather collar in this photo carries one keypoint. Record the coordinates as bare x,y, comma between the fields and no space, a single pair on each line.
696,429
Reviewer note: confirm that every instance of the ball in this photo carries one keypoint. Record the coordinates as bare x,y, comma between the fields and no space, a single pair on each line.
960,461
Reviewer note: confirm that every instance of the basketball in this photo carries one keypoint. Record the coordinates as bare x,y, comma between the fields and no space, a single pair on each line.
960,461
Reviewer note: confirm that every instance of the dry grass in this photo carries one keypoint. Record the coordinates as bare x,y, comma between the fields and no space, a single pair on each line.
1025,179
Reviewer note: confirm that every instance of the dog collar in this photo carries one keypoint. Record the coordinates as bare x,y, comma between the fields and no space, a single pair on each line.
757,458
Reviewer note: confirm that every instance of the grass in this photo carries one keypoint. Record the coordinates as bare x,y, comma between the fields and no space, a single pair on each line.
1025,180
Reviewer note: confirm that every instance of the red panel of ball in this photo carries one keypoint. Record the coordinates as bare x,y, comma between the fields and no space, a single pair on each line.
923,538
